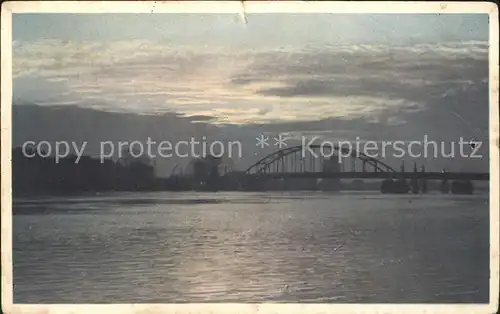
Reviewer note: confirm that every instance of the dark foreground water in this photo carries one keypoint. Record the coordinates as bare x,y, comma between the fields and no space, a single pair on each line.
252,247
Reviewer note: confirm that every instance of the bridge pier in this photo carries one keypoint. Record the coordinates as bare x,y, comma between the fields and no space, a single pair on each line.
415,189
462,187
423,182
444,184
390,186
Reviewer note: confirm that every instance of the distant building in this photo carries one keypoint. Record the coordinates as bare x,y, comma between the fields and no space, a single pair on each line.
39,175
204,171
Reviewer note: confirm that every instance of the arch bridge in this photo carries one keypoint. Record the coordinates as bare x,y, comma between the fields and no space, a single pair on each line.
316,161
315,158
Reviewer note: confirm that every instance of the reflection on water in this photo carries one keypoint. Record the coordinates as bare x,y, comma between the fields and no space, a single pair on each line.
251,247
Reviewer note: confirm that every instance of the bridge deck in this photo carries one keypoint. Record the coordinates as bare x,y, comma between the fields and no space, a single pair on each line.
473,176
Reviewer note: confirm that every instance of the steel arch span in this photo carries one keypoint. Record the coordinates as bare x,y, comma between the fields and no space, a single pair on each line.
264,164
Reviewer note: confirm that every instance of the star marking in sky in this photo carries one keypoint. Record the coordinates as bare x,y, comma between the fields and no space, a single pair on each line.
262,141
280,141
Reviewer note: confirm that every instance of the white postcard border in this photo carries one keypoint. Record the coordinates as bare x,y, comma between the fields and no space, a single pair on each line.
242,8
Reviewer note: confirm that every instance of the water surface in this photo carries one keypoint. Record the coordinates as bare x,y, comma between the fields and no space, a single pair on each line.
251,247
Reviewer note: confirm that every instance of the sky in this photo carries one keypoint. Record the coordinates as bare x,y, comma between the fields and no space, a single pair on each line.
351,74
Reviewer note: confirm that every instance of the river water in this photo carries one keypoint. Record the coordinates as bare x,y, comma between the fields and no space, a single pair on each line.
252,247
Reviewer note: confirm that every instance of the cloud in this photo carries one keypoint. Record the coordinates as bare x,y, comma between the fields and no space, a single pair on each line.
374,82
